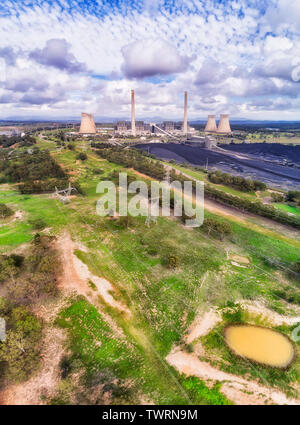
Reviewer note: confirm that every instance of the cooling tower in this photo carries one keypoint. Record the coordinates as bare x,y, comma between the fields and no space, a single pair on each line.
133,131
211,125
185,124
224,126
87,125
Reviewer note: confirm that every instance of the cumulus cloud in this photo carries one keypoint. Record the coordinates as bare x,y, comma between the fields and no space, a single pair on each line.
24,84
67,56
56,53
148,58
8,54
211,72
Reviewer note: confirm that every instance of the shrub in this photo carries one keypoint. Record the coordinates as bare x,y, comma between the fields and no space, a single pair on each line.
293,196
277,197
37,223
218,229
171,261
5,211
82,156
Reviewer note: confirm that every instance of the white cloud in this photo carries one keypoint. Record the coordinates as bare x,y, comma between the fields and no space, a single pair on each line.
236,64
146,58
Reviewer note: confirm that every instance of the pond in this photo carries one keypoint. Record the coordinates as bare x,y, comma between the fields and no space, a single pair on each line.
262,345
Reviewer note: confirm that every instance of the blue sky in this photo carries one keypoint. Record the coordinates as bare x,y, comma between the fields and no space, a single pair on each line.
59,58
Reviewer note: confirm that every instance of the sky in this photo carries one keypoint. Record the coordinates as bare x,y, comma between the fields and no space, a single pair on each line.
61,58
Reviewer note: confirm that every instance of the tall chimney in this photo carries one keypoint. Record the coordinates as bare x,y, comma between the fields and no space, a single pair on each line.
211,125
224,126
132,114
185,124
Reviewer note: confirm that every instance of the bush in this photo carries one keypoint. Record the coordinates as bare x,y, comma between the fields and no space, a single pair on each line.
277,197
171,261
293,196
37,223
216,228
5,211
82,156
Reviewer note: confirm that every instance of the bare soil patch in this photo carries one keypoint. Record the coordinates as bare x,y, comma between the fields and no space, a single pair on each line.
237,389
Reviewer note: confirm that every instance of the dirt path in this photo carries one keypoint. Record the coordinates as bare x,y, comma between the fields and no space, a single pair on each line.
237,389
77,277
261,224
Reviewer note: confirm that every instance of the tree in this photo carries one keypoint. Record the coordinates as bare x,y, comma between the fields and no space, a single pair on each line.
5,211
82,156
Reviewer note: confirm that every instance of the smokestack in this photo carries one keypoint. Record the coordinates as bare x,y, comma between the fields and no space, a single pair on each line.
87,125
185,124
132,114
211,125
224,126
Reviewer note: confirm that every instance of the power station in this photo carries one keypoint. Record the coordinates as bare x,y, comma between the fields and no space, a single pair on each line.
139,128
223,127
211,125
177,130
87,125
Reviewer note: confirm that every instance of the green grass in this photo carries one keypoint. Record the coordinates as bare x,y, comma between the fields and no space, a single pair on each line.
288,208
225,359
163,302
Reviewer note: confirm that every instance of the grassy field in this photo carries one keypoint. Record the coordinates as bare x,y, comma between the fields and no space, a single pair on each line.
163,301
288,208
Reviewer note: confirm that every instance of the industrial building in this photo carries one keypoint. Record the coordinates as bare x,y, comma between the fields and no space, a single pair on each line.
140,128
211,125
223,127
87,125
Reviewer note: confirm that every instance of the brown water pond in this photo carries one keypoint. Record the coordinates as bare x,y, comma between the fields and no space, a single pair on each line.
260,344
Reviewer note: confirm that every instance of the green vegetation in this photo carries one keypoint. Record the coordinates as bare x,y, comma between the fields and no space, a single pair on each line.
133,158
19,353
237,182
5,211
226,360
164,274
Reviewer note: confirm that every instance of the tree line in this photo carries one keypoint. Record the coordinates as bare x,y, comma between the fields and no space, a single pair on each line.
236,182
133,158
36,171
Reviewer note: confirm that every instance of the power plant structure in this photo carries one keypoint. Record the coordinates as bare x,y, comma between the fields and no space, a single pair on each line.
133,130
211,125
140,128
224,125
87,125
185,123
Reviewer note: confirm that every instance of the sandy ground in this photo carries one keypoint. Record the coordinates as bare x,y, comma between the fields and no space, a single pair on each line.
237,389
18,215
76,276
277,319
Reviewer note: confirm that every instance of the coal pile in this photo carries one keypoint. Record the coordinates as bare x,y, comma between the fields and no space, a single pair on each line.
268,163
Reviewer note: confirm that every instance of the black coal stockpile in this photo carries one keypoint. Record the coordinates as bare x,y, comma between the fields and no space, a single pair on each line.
291,153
